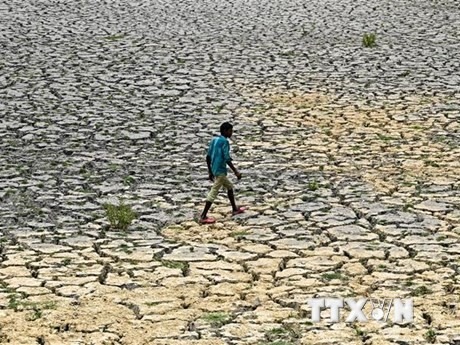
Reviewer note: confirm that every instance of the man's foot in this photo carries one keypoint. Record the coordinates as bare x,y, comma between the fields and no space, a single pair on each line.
239,210
207,220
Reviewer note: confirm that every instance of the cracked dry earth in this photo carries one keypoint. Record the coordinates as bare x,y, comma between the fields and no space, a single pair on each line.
350,157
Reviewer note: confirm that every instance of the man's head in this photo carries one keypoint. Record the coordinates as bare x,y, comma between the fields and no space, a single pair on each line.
226,129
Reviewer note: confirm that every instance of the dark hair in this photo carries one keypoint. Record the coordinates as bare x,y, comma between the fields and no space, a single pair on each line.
225,127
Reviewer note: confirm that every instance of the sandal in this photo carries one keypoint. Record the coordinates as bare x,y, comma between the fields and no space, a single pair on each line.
207,220
240,210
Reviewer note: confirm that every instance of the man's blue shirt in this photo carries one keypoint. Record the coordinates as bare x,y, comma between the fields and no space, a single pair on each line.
219,151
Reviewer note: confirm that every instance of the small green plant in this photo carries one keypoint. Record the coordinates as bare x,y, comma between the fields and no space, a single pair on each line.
120,216
239,233
431,163
183,266
113,167
66,261
420,291
281,335
313,185
360,332
37,314
333,276
430,336
13,302
277,331
219,108
217,319
125,248
385,137
16,302
407,206
369,40
129,180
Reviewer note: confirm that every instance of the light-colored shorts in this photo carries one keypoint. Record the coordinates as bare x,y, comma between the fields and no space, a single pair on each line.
219,182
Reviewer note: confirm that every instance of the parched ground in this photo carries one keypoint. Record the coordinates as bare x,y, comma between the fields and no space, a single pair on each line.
350,157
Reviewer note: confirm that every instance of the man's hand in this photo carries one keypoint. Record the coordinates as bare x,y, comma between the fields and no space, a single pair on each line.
235,170
211,177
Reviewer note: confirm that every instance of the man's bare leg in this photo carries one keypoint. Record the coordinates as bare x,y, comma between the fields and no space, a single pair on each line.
231,197
207,206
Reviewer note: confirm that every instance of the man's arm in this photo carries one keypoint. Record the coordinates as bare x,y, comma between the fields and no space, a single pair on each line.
208,162
235,170
228,160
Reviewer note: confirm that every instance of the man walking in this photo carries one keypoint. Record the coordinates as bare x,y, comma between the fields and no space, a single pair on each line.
218,158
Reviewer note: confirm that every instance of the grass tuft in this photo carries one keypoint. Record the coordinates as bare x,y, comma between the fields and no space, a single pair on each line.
120,216
420,291
369,40
217,319
333,276
313,185
430,336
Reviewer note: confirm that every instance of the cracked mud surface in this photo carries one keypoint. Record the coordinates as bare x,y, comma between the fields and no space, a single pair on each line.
350,157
